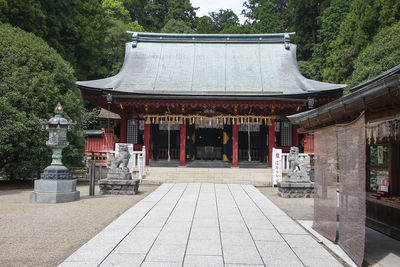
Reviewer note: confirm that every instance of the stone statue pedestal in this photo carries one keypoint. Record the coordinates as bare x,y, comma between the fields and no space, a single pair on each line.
54,191
119,175
296,189
119,187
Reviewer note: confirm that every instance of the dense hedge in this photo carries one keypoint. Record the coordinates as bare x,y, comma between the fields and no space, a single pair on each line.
33,78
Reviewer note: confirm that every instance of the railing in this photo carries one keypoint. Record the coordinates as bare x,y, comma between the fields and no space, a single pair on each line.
138,159
285,160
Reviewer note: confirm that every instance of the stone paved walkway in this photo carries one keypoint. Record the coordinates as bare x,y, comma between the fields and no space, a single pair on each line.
203,225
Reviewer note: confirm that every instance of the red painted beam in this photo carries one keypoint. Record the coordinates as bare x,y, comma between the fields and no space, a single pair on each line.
271,141
182,155
147,141
235,145
295,136
123,130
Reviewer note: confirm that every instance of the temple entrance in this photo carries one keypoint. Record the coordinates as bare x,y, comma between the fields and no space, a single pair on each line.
208,144
166,141
252,143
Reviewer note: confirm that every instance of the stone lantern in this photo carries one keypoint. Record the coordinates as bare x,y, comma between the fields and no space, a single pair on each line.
56,183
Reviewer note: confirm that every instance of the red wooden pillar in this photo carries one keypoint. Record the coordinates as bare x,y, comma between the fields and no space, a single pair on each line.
271,141
295,136
182,154
147,141
235,144
123,129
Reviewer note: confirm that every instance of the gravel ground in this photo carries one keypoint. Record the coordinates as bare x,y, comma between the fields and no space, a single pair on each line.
46,234
297,208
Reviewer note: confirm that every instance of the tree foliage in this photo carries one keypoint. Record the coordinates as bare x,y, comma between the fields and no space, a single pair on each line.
33,78
364,20
331,20
266,16
177,26
380,55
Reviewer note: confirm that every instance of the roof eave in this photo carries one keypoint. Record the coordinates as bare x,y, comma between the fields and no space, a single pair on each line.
348,106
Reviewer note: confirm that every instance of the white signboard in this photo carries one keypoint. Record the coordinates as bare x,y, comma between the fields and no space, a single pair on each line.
276,166
130,149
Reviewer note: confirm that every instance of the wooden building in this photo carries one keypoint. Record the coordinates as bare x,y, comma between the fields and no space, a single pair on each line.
196,97
379,100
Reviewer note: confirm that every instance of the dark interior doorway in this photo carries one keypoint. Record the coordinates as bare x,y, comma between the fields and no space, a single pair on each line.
208,144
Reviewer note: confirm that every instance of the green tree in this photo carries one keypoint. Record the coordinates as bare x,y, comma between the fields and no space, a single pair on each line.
33,78
115,9
156,11
224,18
238,29
355,32
180,10
266,16
177,26
305,22
205,24
27,15
331,20
380,55
136,10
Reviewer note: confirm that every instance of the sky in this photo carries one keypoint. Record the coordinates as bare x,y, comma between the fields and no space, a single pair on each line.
207,6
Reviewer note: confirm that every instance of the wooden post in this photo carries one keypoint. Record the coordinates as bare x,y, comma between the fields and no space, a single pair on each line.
182,155
295,136
92,177
147,141
235,144
123,130
271,141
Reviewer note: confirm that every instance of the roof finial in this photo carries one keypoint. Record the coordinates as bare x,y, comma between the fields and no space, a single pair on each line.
286,38
134,38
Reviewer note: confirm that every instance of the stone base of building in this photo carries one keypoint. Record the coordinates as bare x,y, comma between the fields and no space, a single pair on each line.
119,187
54,191
293,190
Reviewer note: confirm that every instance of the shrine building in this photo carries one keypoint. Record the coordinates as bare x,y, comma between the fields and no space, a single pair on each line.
202,97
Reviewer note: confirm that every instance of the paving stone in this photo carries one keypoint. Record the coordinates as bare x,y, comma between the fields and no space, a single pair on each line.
177,226
259,224
301,241
210,247
201,261
206,222
138,241
244,265
316,256
233,226
204,233
78,264
241,255
173,238
266,235
123,259
290,228
277,253
161,264
162,226
166,252
236,239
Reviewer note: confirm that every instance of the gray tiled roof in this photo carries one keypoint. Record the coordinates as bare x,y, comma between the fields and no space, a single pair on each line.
263,64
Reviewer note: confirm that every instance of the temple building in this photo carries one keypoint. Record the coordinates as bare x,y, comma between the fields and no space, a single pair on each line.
197,97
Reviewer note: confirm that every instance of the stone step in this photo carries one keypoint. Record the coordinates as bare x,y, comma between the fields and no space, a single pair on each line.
254,176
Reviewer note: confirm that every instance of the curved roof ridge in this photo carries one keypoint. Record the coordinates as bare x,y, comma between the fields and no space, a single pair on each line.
212,38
